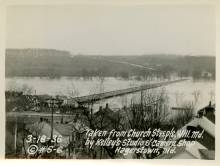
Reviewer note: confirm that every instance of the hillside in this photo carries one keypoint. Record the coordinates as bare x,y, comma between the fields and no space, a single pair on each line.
56,63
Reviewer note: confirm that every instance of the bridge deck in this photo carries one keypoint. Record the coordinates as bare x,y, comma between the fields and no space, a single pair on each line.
106,95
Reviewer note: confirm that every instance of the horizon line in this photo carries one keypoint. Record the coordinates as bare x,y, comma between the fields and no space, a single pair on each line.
118,54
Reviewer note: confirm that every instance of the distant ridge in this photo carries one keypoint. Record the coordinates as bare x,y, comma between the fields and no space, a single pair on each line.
56,63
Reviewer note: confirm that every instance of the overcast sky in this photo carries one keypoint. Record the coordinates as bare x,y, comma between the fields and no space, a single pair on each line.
112,29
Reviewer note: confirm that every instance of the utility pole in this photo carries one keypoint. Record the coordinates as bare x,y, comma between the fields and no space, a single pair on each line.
15,141
51,103
51,124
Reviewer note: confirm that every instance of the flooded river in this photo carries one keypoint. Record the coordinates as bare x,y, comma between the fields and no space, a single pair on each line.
200,91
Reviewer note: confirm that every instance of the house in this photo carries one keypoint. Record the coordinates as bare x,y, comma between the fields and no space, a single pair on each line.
206,74
203,148
70,102
72,135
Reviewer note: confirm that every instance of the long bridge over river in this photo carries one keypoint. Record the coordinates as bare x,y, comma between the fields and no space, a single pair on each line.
89,99
100,96
105,95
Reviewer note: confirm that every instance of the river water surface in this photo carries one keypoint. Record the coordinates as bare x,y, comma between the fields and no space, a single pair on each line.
200,91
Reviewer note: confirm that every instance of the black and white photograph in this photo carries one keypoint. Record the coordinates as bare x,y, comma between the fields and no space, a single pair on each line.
110,81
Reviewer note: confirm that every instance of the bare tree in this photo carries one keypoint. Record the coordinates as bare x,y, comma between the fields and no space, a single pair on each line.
72,91
26,89
184,115
13,86
179,98
196,94
212,95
